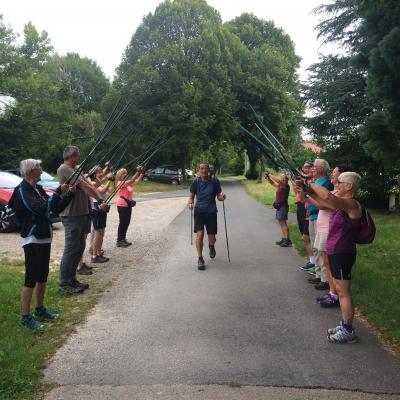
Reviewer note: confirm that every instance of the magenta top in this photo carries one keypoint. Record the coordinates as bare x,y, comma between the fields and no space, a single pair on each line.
342,233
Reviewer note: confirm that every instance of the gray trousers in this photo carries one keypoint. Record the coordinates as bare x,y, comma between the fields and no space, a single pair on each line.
320,269
75,229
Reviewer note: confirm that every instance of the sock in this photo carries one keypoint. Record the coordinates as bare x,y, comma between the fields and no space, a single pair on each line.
349,328
312,260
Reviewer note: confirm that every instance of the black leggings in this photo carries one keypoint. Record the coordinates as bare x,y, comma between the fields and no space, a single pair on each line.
125,214
37,259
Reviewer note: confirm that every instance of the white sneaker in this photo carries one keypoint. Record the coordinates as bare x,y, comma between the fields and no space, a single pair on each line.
343,336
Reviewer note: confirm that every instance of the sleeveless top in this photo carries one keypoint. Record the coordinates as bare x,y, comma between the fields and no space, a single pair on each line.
124,191
282,194
342,233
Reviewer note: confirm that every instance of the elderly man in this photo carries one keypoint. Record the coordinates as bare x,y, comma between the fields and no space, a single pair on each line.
319,171
206,189
76,221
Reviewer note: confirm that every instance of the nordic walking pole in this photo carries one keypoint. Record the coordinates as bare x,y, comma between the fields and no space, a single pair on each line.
191,226
226,231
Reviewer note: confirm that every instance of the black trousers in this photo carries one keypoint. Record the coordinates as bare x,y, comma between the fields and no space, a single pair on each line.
125,214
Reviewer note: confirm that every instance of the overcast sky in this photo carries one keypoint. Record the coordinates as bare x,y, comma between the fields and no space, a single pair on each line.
101,29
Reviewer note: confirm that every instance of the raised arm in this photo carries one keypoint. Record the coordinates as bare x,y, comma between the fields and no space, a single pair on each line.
271,180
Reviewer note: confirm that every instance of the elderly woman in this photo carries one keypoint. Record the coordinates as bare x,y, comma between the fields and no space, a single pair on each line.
282,207
32,205
344,224
125,203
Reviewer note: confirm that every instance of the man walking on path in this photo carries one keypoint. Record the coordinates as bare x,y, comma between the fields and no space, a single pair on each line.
206,189
76,221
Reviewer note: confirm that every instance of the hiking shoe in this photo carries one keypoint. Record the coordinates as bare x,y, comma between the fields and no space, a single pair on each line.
311,272
98,259
122,244
84,270
314,281
342,336
78,284
30,323
330,302
322,286
201,265
212,251
69,289
286,243
332,331
44,313
308,266
279,242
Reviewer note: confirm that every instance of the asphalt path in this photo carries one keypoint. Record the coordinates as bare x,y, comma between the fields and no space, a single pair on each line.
253,321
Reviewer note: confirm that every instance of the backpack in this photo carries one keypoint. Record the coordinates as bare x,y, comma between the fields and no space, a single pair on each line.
367,231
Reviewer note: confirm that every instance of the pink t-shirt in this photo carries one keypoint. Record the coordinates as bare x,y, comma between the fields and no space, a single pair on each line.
125,191
323,220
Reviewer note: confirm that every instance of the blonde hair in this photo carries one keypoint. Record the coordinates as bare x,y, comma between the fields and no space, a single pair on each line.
120,172
27,166
351,177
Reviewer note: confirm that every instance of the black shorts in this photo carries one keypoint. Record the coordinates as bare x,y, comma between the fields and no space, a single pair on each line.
341,265
37,259
209,220
301,219
99,219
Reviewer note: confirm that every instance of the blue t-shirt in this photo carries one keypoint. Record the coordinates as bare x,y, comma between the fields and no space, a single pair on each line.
205,192
311,209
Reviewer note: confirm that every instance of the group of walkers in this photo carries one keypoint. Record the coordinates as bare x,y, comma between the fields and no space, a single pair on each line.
82,204
329,219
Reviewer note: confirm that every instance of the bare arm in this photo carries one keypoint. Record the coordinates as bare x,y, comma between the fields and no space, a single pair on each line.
271,180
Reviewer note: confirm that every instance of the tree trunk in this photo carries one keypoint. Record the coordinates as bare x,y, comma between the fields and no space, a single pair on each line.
251,173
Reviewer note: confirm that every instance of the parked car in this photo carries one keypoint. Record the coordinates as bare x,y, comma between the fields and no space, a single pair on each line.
46,180
8,182
164,173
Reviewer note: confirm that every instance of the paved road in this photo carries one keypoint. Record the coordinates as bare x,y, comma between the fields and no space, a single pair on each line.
253,321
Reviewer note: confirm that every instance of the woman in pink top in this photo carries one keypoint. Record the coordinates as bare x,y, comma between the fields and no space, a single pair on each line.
125,202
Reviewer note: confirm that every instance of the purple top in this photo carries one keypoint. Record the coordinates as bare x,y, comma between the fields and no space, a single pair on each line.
342,233
282,194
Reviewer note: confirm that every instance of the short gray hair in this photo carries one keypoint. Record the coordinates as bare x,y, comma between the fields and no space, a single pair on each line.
324,164
351,177
69,151
27,166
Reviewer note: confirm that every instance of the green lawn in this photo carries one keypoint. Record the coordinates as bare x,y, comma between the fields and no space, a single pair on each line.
376,275
146,187
23,353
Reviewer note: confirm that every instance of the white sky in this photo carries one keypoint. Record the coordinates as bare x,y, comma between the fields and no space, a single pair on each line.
101,29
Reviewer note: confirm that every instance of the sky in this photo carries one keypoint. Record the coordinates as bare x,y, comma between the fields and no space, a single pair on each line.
101,30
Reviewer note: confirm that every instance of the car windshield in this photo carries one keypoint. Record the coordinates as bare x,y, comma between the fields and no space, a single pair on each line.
46,177
9,181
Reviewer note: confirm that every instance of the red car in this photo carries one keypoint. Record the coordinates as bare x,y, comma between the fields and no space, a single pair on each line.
7,184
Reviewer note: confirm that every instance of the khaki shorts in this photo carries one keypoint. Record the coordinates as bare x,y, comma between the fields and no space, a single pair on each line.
320,241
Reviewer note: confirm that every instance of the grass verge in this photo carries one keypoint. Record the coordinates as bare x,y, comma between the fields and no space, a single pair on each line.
376,274
23,354
146,187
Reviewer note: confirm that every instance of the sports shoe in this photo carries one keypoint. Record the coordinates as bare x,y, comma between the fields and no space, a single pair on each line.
311,272
212,251
308,266
322,286
286,243
84,270
330,302
78,284
342,336
332,331
69,289
44,313
201,265
99,259
324,297
30,323
126,242
122,244
279,242
314,281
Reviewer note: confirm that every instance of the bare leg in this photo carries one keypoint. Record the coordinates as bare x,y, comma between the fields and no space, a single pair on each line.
307,245
40,289
284,228
199,242
329,277
212,239
96,246
102,232
26,297
81,260
343,288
